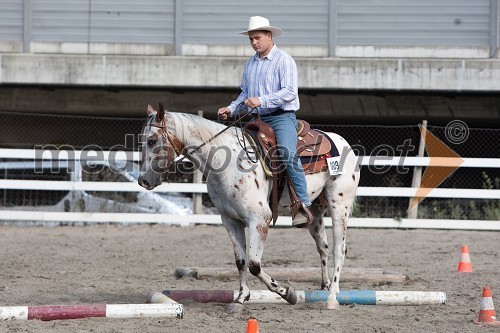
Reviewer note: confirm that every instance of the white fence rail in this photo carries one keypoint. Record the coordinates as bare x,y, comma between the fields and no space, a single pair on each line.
376,161
13,184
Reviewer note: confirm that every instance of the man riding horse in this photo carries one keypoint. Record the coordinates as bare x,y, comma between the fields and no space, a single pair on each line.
270,87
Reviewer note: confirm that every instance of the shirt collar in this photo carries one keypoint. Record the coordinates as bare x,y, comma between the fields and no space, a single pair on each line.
270,55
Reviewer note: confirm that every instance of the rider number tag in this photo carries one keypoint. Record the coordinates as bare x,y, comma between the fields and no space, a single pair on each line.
334,165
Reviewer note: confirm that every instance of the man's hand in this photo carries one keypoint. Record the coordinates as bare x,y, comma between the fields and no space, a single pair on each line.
224,113
252,102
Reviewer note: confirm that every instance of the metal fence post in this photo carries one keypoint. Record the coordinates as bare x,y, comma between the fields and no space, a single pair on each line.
197,179
332,28
178,27
417,172
27,10
494,18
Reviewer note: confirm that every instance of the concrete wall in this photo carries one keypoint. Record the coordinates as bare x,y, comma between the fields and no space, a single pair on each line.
451,75
107,57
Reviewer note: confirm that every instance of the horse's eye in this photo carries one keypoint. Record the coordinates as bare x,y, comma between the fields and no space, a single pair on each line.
151,143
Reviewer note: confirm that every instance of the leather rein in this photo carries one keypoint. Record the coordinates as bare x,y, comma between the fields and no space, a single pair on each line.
179,147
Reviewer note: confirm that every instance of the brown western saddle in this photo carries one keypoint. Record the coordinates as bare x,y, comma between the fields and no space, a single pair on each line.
313,148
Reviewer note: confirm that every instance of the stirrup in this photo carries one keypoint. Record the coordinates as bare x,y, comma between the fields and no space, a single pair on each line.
303,217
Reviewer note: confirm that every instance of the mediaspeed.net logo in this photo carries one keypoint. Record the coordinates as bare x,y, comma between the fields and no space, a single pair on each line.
443,161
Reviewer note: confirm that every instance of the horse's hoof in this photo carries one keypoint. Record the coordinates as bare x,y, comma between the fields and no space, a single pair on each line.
291,296
332,304
234,307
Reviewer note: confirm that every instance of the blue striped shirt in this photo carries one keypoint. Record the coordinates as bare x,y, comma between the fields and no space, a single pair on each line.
273,79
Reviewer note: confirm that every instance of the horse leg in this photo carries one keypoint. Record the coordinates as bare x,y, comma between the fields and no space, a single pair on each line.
318,233
340,198
257,234
236,231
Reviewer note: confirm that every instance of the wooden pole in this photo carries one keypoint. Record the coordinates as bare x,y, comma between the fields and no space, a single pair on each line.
374,275
417,173
365,297
61,312
197,179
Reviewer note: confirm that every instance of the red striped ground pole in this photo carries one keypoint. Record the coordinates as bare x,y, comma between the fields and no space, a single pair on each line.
61,312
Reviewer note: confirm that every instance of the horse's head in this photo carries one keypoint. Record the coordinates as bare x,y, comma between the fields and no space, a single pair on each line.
159,148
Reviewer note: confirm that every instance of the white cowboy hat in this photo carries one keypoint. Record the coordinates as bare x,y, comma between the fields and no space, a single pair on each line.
261,23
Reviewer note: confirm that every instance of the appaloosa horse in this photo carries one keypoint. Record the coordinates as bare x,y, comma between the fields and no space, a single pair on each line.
240,188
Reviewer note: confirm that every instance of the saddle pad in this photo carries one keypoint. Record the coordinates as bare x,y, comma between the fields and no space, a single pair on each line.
313,164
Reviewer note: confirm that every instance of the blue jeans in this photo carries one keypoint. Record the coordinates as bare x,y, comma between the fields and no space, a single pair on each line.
285,128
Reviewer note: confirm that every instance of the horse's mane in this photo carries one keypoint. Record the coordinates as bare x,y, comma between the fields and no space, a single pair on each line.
205,127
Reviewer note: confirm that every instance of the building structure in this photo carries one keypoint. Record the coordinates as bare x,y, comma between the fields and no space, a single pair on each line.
359,61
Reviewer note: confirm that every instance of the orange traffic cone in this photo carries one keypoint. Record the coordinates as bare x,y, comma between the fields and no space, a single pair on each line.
465,265
487,311
252,326
487,314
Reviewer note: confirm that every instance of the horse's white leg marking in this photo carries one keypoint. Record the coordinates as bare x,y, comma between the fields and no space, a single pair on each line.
340,194
257,234
236,231
317,231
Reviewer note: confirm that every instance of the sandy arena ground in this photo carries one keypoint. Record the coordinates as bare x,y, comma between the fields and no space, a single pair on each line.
116,264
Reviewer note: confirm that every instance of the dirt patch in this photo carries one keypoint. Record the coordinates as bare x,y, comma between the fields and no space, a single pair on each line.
116,264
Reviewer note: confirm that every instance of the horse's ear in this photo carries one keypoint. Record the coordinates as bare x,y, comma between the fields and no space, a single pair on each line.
161,113
150,110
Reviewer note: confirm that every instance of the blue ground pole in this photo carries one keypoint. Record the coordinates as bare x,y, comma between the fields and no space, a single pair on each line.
366,297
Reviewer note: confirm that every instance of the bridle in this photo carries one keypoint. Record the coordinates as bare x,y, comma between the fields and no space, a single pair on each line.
174,142
177,145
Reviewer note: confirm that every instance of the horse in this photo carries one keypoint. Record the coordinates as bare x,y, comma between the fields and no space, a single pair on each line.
239,188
